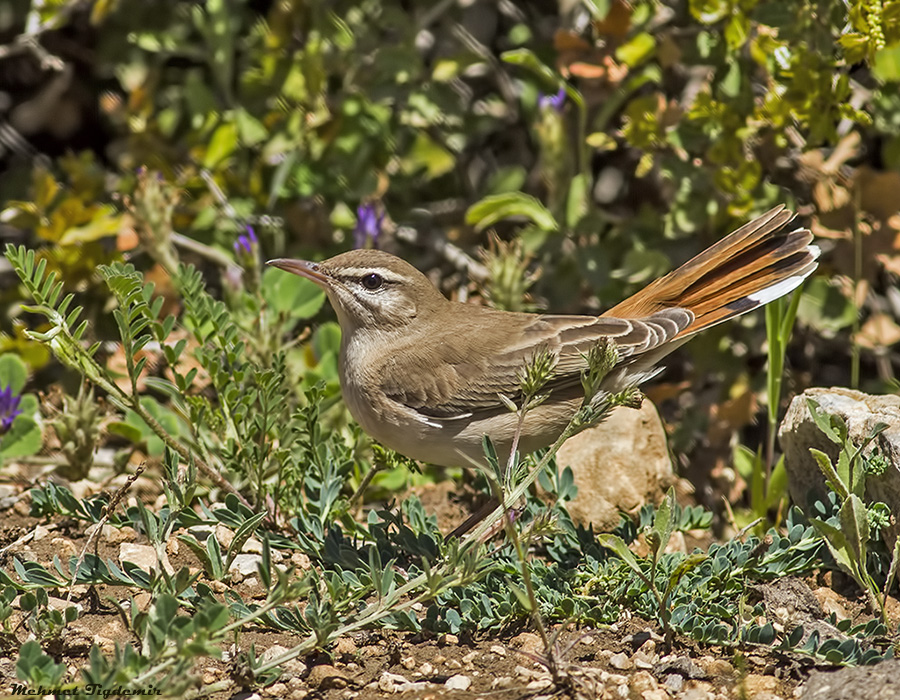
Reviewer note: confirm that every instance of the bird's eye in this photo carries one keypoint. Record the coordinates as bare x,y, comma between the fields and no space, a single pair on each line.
372,281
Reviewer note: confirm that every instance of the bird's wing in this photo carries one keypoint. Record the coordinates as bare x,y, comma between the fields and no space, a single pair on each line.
460,381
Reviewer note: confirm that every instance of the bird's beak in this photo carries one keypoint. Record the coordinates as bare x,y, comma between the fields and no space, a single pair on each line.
304,268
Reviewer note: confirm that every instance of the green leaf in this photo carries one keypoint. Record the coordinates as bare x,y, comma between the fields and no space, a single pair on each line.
636,51
222,144
664,523
250,129
125,430
837,545
13,372
23,438
36,667
855,526
578,200
290,294
617,545
886,66
828,471
528,59
494,208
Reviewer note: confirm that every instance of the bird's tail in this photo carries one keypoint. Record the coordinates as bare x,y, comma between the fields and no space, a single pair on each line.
756,264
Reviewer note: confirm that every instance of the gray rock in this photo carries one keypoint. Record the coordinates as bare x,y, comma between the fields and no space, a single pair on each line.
879,682
861,412
618,465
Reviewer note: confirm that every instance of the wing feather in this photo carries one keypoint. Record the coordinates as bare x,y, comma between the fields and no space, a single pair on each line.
453,386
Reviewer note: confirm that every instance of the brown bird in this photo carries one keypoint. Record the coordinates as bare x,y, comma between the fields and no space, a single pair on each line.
424,375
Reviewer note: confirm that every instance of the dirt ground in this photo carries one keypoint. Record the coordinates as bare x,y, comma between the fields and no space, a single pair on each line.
625,660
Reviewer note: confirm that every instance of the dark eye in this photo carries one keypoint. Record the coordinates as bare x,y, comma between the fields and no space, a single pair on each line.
372,281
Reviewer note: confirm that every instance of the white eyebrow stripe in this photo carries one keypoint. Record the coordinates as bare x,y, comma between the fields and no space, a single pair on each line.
386,275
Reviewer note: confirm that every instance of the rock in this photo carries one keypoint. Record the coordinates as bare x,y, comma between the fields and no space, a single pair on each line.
879,682
458,682
325,677
832,602
618,465
754,684
861,412
527,643
620,661
143,555
245,564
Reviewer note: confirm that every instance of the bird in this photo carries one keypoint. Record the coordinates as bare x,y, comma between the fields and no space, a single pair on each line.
429,377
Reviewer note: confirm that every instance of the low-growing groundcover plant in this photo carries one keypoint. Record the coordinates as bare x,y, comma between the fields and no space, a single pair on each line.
597,145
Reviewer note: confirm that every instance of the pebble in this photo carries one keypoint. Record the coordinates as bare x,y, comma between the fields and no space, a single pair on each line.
620,661
755,684
325,677
344,646
391,682
426,669
458,682
277,690
642,681
498,650
527,642
674,681
469,658
408,662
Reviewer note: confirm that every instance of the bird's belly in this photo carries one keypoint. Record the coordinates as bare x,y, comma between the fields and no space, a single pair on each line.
455,443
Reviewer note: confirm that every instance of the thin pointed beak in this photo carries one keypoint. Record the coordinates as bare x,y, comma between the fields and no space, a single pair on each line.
304,268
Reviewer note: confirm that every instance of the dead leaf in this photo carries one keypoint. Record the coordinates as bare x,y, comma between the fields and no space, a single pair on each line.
878,332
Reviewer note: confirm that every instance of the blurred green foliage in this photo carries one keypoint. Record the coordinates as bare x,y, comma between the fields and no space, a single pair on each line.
602,142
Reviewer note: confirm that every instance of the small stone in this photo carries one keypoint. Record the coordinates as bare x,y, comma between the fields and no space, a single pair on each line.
426,669
408,662
449,639
453,664
245,564
345,646
458,682
528,643
252,546
716,667
756,683
142,555
392,682
641,681
498,650
438,659
674,681
325,677
539,684
642,660
277,690
502,682
658,694
301,561
620,661
469,658
831,602
40,532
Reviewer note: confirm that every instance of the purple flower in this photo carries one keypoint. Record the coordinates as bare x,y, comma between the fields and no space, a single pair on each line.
9,408
368,225
555,102
246,244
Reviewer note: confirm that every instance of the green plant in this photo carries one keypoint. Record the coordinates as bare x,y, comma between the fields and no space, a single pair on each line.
849,535
657,537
